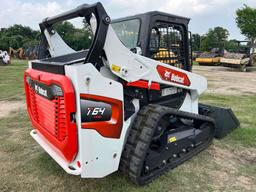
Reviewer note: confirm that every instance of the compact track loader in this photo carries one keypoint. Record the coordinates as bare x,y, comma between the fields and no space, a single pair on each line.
117,105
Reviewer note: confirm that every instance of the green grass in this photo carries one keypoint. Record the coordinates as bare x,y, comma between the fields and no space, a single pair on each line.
26,167
11,80
244,108
195,63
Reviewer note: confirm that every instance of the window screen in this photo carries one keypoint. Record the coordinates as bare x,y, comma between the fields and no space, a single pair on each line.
171,44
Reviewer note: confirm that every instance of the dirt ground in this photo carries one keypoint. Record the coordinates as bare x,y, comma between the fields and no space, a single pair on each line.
228,162
6,107
226,81
228,167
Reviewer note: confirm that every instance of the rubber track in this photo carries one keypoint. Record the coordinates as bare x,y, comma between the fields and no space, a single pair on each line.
139,139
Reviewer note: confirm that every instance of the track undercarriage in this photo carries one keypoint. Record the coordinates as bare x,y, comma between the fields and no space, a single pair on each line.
161,139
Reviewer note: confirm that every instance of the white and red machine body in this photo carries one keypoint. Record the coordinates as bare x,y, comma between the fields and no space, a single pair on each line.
78,111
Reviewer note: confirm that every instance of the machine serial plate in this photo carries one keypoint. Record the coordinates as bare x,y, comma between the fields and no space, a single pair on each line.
169,91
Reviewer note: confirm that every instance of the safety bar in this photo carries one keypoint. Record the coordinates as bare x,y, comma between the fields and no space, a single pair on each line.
85,10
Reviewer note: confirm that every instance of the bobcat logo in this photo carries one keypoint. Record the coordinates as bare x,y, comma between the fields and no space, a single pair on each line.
167,74
41,91
172,75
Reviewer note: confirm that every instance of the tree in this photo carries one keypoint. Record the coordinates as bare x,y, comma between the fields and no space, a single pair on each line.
232,45
220,34
196,41
18,36
214,38
76,38
246,22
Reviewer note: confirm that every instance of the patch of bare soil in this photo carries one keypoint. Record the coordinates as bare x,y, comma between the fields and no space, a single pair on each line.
246,182
227,81
229,162
6,107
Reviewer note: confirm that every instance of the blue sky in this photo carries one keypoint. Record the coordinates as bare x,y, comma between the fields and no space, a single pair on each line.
204,14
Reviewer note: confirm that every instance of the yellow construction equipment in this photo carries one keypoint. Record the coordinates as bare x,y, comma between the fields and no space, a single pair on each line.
209,58
163,53
19,53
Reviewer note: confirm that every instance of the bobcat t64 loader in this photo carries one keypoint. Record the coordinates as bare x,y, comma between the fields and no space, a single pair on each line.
120,104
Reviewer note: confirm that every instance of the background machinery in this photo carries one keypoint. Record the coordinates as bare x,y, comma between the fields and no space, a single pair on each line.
4,58
242,57
19,53
29,53
120,104
210,58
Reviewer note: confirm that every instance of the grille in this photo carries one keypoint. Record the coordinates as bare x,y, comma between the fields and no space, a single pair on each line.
50,114
171,44
51,107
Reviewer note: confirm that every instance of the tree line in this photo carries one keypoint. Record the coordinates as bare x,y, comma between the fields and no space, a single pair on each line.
18,36
214,38
218,36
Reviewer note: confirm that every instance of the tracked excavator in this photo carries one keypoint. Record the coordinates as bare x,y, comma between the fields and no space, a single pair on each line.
120,105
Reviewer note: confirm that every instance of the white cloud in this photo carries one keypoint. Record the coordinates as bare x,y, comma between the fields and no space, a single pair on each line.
26,13
181,7
204,13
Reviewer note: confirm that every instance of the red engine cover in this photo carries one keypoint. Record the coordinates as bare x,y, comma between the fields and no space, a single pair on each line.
52,117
